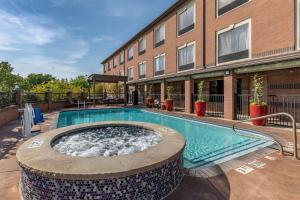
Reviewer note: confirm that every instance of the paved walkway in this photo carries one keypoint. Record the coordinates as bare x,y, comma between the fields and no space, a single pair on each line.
278,180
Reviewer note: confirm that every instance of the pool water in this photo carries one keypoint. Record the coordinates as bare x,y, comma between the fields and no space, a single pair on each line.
106,141
206,144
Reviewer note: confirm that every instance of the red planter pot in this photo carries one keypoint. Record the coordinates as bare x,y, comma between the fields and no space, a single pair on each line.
200,109
149,102
258,111
169,105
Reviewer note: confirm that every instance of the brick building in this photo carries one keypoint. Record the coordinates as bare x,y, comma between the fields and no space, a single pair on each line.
224,43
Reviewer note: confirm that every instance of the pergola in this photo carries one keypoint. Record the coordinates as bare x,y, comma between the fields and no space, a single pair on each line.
100,78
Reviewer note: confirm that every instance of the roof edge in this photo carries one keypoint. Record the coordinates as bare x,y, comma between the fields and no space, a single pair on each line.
147,27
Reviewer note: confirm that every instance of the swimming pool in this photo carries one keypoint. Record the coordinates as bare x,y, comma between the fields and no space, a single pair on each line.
206,144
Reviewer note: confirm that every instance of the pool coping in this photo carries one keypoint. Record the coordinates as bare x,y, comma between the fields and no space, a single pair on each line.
45,161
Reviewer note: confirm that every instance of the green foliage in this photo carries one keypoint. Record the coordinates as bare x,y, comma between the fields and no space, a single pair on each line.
257,89
7,78
80,82
170,90
200,97
37,79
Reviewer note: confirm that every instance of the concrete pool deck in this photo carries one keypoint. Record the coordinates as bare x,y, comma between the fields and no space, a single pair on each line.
278,179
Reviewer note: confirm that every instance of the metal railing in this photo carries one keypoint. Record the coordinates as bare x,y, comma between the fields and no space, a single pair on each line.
214,104
6,99
276,104
31,97
59,97
294,130
178,102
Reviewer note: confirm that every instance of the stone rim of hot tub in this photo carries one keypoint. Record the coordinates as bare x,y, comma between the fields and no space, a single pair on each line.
62,166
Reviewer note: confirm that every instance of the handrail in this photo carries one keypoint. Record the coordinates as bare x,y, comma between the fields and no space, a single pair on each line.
294,130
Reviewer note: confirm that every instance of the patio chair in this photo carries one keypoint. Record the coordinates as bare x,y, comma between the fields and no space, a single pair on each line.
156,104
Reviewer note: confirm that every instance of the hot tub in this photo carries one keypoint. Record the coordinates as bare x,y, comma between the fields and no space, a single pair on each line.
146,163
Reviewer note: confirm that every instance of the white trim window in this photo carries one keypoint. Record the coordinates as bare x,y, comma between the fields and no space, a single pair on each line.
105,67
186,19
130,53
130,73
122,57
234,43
142,70
186,57
121,73
159,35
142,46
108,65
115,61
224,6
159,65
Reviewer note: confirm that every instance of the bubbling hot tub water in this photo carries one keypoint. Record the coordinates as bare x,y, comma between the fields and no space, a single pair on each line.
106,141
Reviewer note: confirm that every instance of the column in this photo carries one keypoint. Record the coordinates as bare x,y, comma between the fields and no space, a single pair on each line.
188,90
48,98
18,97
229,96
163,88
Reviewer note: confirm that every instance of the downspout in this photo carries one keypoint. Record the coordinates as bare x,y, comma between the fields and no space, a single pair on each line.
296,22
204,34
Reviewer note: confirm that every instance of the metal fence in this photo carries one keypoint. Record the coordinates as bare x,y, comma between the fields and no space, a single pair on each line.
178,102
30,97
59,97
214,104
276,103
6,99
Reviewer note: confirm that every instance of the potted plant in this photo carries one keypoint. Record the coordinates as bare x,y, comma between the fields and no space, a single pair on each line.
200,104
169,100
149,99
258,107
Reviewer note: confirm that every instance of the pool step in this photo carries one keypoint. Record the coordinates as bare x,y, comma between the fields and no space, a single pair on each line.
201,161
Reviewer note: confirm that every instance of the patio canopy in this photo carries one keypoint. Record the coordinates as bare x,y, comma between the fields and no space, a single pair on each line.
100,78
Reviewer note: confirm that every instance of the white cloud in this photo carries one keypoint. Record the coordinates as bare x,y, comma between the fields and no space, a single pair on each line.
18,31
103,39
44,64
81,48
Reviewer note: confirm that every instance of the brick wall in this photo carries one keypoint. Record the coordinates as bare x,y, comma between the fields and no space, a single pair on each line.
8,114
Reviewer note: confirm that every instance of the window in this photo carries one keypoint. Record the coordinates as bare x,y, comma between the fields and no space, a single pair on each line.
233,43
104,67
121,57
159,35
216,87
186,57
142,70
130,53
186,19
115,61
159,65
227,5
121,73
142,46
108,65
130,74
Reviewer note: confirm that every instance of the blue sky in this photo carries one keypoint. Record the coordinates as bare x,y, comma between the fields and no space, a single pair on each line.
67,38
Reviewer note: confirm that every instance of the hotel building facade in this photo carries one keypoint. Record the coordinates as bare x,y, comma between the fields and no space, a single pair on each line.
224,43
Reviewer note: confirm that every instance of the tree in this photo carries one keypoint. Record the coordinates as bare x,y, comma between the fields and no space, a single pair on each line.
37,79
79,82
7,78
